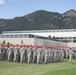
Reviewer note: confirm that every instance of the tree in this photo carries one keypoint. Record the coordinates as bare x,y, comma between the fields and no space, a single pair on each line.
49,36
65,41
74,41
8,44
53,38
4,42
21,41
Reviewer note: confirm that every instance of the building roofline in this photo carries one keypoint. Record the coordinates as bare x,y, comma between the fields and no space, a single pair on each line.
41,31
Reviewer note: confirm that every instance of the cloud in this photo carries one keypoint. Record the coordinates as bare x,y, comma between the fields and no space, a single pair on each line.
2,1
13,0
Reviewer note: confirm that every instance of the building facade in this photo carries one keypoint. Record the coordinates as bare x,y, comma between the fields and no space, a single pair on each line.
68,35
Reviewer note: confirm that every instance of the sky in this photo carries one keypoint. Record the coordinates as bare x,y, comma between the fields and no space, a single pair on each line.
16,8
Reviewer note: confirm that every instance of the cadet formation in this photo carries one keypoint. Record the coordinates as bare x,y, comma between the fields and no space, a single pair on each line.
34,54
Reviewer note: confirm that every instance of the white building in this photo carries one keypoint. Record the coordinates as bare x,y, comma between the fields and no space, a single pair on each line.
40,37
59,34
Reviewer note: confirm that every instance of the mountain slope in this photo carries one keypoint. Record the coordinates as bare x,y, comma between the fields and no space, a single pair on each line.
40,20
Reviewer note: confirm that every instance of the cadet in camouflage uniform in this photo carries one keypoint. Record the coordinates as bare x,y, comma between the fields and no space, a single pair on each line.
70,55
16,54
67,53
10,53
29,55
34,49
39,56
1,52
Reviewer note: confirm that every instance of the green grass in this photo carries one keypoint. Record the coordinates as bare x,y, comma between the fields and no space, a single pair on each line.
61,68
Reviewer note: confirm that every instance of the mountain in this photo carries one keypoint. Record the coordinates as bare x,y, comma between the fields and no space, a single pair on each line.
40,20
71,12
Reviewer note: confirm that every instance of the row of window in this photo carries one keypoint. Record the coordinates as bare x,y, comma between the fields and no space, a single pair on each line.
40,31
14,36
31,36
65,37
23,36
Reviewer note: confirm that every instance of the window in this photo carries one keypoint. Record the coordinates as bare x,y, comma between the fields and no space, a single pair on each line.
74,37
25,36
3,36
7,36
12,36
16,36
20,35
31,36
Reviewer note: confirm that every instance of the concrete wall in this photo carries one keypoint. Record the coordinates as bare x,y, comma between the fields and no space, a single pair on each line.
71,44
26,41
35,41
41,42
38,42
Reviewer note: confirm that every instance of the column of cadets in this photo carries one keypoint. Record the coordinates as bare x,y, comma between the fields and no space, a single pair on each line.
35,54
